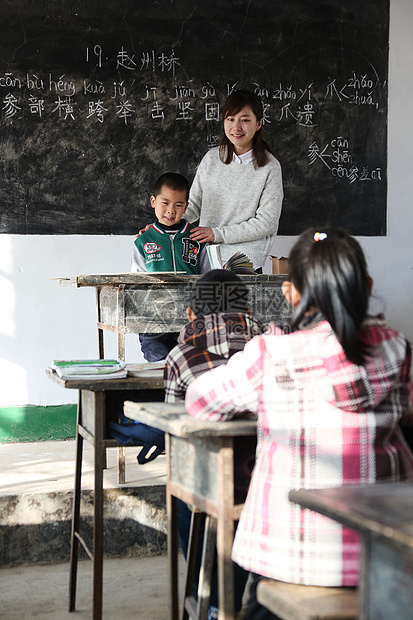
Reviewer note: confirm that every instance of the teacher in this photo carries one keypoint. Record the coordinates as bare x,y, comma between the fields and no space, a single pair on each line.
237,191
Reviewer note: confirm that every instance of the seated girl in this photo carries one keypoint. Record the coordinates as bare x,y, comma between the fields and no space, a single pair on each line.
330,397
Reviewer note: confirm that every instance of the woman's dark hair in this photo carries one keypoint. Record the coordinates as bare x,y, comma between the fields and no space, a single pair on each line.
236,101
331,276
219,290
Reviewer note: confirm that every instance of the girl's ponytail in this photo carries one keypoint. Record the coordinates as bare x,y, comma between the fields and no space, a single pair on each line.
329,271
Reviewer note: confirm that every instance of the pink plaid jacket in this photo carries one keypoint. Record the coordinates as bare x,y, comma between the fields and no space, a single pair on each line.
322,422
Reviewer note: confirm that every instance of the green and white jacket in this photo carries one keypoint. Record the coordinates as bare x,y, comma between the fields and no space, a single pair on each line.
157,250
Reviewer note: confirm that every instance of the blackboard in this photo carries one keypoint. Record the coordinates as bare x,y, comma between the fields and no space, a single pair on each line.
98,98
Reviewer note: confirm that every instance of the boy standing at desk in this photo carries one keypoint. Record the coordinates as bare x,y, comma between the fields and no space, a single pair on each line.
167,246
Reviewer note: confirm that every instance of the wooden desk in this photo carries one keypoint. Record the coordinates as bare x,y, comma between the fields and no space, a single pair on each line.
150,302
200,471
91,425
383,516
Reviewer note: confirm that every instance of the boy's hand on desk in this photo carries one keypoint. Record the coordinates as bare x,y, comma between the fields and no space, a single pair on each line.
202,234
142,230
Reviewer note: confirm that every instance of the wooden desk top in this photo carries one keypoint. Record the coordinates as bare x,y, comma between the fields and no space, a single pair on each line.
173,418
154,381
116,279
383,510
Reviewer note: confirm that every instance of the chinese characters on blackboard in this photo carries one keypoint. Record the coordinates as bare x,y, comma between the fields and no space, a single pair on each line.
71,100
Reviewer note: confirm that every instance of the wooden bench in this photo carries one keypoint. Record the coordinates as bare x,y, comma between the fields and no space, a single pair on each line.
290,601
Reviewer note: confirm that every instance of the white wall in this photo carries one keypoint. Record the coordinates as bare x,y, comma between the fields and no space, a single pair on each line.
40,321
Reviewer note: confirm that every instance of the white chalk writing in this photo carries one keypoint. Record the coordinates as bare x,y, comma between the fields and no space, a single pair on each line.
182,91
61,85
163,93
64,107
10,106
96,109
97,51
34,83
125,61
95,88
340,162
212,111
152,61
184,111
36,106
124,111
359,90
9,81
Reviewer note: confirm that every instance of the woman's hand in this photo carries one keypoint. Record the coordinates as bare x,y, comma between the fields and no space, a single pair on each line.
142,230
202,234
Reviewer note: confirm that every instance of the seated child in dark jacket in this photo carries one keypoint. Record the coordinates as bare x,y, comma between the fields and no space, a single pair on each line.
167,246
220,324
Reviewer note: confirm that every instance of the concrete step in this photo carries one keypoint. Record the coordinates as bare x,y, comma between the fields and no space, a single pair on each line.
36,494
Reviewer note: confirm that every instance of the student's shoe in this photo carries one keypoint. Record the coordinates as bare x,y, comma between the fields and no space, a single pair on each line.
148,454
213,614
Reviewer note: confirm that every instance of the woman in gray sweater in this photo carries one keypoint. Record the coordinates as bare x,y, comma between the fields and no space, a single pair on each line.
237,192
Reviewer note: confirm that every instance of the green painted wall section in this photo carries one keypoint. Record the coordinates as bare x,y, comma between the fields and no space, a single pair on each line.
35,423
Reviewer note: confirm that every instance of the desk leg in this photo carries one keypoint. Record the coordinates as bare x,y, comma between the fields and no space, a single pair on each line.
225,529
99,407
171,509
385,584
191,560
207,564
121,465
120,322
364,592
74,541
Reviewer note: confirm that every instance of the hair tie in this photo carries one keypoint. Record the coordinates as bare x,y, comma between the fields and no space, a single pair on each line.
320,236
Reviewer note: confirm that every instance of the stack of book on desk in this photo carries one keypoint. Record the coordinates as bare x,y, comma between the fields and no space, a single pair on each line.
90,369
147,369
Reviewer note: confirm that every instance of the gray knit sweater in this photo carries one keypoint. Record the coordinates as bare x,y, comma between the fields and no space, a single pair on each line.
241,203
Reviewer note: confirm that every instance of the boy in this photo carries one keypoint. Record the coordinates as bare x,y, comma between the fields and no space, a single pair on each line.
220,324
167,246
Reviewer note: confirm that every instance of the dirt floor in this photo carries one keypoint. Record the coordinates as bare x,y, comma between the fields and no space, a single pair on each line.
132,589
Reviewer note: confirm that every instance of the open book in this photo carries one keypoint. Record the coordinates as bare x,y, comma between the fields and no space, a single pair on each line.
90,369
238,263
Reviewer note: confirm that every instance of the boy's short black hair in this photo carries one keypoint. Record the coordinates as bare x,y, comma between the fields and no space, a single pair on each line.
219,290
174,181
